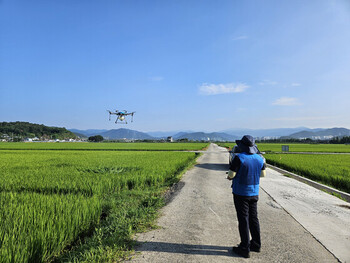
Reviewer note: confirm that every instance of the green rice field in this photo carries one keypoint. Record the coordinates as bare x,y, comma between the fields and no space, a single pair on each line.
298,147
81,205
330,169
139,146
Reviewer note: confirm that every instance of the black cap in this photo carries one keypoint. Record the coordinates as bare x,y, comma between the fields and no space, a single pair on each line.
247,144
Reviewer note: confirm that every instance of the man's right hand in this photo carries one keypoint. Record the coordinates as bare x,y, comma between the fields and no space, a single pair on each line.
230,175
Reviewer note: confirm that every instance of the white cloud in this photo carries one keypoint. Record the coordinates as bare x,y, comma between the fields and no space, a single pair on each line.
268,82
214,89
156,78
295,84
240,38
286,101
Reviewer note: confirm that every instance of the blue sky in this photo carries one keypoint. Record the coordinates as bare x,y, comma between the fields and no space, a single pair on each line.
181,65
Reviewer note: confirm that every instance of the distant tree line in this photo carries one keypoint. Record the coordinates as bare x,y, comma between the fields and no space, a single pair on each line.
285,140
30,130
341,140
335,140
96,138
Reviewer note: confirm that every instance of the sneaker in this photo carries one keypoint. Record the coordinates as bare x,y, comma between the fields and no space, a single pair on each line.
239,251
255,249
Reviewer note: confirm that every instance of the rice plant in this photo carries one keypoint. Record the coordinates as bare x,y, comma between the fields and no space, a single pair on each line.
105,146
50,199
330,169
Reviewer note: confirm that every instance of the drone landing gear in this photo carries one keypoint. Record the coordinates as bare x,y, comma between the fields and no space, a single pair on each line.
121,122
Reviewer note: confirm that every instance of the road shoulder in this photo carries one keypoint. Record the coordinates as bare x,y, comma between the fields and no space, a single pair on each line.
324,216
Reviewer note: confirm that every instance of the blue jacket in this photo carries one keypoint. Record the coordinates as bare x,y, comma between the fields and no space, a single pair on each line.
247,179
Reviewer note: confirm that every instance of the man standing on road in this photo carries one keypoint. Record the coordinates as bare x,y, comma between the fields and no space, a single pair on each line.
245,171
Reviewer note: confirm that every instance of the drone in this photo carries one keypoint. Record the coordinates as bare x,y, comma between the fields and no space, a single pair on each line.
121,116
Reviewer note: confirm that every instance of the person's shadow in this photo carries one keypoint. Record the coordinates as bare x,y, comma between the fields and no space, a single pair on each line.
214,166
188,249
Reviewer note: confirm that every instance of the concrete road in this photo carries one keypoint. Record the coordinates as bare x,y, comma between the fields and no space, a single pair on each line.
200,223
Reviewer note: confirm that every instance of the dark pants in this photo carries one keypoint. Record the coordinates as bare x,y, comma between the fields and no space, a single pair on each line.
247,214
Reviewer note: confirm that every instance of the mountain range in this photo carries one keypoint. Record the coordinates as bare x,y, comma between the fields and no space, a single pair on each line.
114,134
228,135
273,133
319,134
